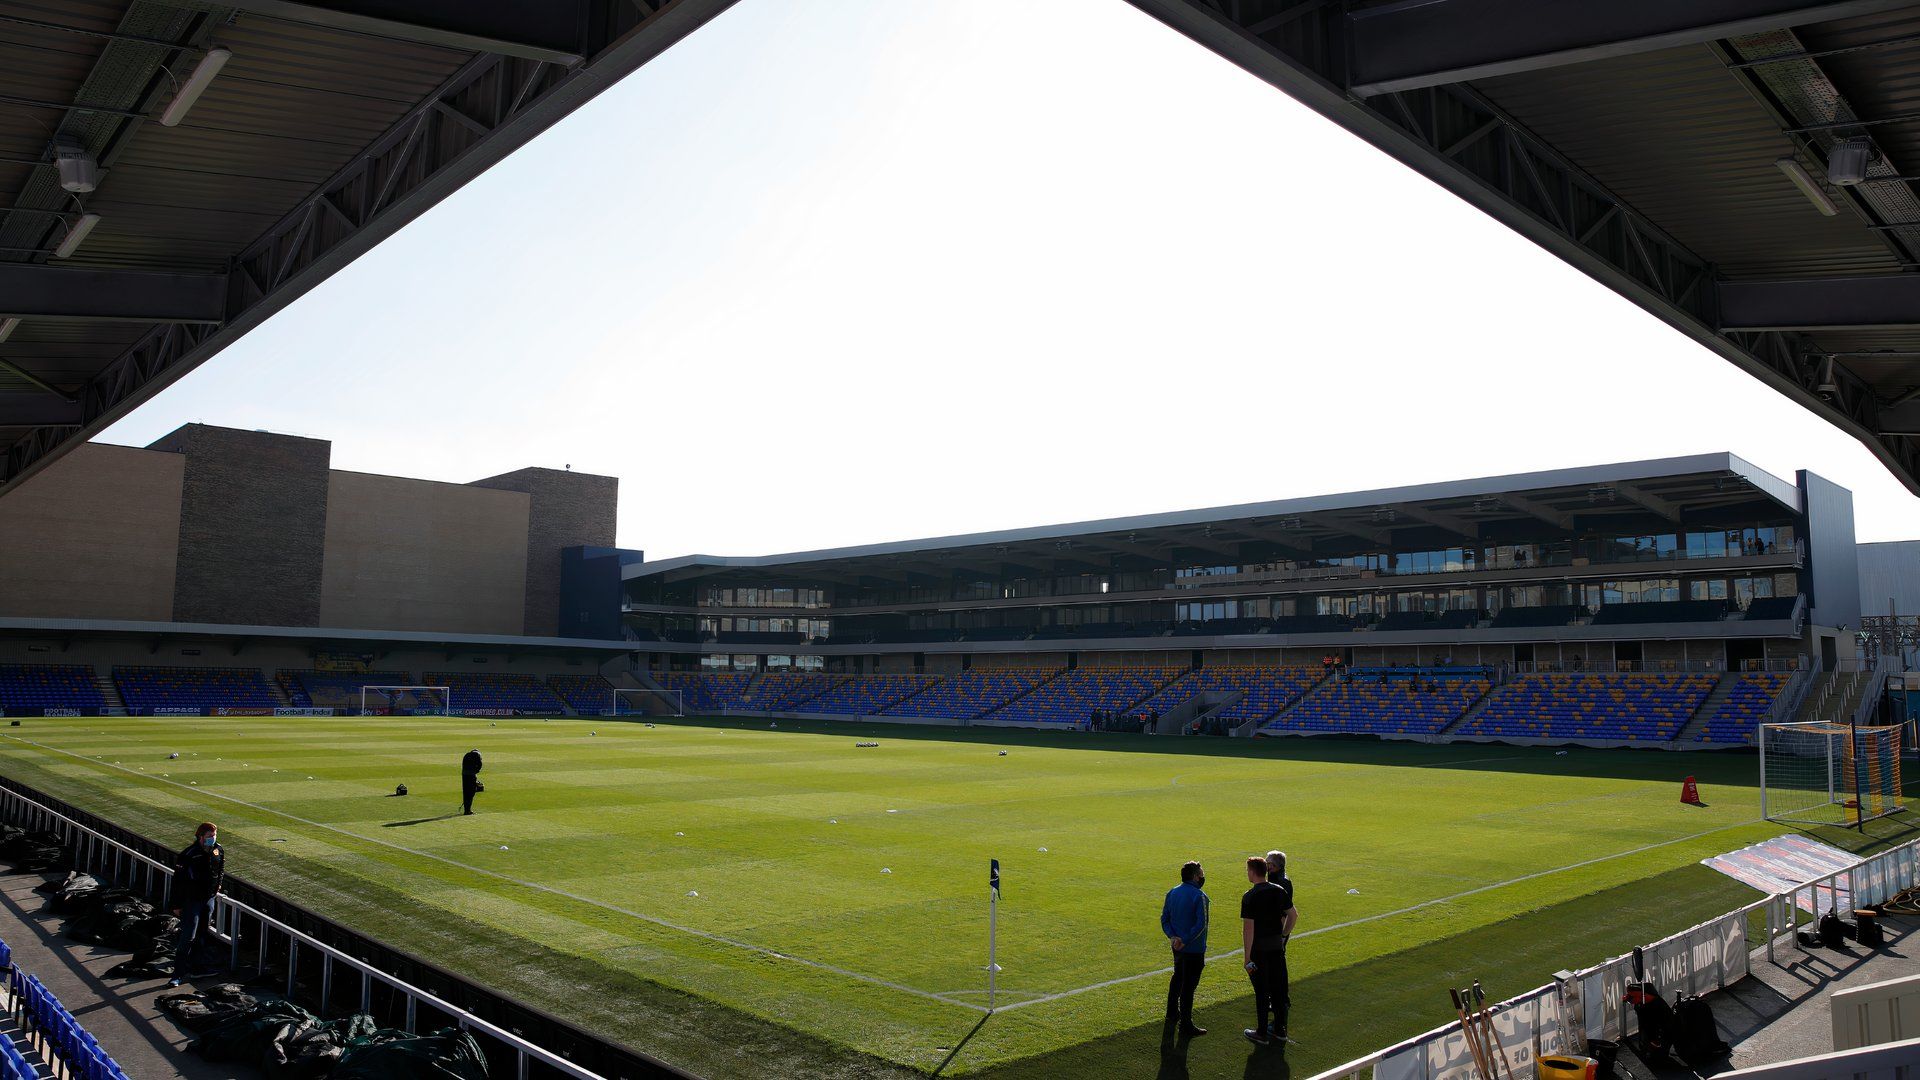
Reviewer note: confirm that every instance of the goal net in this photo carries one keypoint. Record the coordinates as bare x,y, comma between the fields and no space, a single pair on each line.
406,701
1829,774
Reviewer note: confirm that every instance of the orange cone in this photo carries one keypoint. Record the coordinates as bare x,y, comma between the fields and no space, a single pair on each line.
1690,792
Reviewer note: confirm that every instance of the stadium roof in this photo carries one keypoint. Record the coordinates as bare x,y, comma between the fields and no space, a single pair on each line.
1466,510
1662,146
331,124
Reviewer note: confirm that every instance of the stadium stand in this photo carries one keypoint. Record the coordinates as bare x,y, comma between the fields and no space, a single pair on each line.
973,693
1671,611
1631,708
706,691
1276,689
780,691
1549,615
334,689
146,689
488,691
1072,697
76,1054
584,693
30,688
1746,705
1386,701
865,695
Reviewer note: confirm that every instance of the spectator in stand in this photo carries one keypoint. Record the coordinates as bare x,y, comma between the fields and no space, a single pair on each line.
199,872
1183,918
1263,944
470,779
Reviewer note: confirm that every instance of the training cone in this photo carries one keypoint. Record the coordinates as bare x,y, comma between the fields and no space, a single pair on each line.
1690,792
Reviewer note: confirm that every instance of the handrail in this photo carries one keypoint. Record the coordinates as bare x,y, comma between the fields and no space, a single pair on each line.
1875,689
525,1051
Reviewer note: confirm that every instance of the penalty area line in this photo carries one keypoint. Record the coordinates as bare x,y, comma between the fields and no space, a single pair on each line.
1397,911
654,920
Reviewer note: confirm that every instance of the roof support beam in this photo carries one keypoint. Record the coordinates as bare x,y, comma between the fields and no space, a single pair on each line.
37,410
1872,302
1457,526
1559,519
1647,500
552,31
1421,43
31,291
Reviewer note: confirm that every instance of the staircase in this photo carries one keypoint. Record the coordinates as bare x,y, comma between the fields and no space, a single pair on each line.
1034,689
280,697
1707,710
109,693
1472,713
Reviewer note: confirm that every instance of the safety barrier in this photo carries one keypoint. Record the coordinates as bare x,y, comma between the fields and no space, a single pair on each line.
56,1032
1591,1003
339,973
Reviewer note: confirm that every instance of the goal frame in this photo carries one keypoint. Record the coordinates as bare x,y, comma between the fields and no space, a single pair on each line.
1845,772
445,692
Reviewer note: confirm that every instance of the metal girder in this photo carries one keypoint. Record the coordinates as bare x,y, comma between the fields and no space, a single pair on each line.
1559,519
1464,143
501,103
1870,302
31,291
551,31
36,410
1455,525
1420,43
1647,500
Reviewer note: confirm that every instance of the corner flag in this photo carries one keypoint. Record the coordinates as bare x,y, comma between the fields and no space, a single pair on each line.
993,878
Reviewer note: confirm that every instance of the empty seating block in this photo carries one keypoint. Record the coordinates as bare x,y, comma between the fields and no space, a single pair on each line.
782,691
1267,689
491,691
146,689
1072,698
1630,708
1745,706
29,688
1374,703
335,689
974,693
706,691
584,693
864,695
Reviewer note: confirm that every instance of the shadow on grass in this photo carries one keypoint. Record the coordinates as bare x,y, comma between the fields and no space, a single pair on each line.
418,821
1731,766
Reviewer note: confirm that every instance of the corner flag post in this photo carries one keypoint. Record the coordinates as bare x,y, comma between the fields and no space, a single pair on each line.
993,913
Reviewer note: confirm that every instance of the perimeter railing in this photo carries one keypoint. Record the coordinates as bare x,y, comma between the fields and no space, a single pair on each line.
323,970
1590,1004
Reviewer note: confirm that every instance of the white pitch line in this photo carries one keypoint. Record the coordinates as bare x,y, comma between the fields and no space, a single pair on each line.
655,920
1390,914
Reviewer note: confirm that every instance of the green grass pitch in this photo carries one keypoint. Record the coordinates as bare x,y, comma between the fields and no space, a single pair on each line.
841,918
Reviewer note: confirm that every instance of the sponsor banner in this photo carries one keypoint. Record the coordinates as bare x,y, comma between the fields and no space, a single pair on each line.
1525,1028
296,711
60,712
235,711
481,712
172,711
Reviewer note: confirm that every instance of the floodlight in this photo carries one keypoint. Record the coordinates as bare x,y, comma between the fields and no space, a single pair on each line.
1805,183
1849,160
79,171
76,233
195,85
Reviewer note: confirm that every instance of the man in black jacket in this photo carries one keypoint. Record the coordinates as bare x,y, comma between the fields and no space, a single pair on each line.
198,874
470,779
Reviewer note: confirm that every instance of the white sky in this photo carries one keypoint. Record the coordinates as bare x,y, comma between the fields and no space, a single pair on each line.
842,273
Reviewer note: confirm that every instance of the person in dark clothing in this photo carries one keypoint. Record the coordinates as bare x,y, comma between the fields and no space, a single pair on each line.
1263,944
1183,918
198,874
470,780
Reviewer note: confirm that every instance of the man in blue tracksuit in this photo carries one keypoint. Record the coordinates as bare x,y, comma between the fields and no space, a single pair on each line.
198,874
1183,918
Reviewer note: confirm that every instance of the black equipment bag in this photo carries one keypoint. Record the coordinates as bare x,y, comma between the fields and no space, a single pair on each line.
1870,936
1696,1038
1655,1018
1833,932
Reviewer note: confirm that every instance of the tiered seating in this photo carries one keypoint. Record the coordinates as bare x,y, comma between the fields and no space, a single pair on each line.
1265,683
1550,615
1276,689
335,689
478,691
1671,611
1386,703
148,688
1633,708
863,695
585,693
1072,697
32,687
1745,706
706,691
973,693
781,691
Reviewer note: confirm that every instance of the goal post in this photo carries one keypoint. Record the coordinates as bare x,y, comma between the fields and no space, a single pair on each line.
643,702
410,700
1825,773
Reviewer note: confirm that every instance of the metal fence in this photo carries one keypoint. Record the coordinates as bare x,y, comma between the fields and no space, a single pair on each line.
1591,1003
329,968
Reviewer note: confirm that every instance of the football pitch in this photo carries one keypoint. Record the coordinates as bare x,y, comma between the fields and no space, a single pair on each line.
747,902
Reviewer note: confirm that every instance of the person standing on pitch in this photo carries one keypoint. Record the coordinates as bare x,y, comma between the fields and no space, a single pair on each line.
470,779
198,874
1183,918
1263,943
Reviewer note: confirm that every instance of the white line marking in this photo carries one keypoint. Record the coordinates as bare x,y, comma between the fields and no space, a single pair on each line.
1390,914
655,920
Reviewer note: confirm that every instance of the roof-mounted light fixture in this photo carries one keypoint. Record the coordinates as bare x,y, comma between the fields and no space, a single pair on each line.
7,327
1849,160
76,235
79,170
1814,193
196,84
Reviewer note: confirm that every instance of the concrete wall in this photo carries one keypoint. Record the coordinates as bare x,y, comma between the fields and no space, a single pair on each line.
417,555
253,511
569,509
95,536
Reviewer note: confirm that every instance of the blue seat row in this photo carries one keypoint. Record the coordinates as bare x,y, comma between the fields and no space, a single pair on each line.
72,1044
